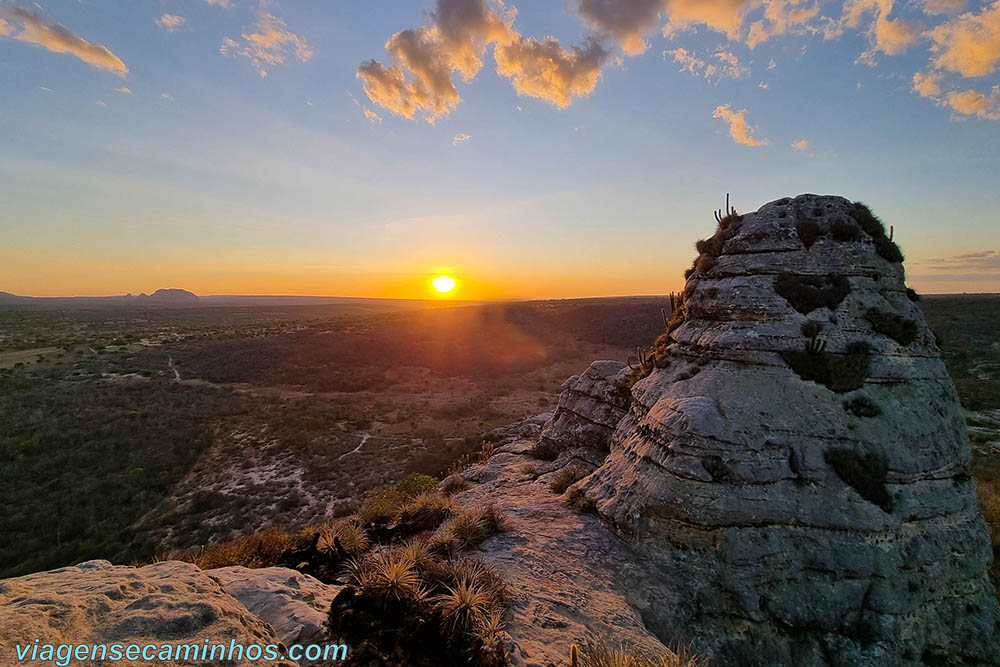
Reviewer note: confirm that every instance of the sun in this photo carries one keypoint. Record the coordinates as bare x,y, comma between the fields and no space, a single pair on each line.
443,284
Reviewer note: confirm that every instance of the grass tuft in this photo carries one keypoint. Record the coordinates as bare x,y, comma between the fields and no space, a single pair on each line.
566,477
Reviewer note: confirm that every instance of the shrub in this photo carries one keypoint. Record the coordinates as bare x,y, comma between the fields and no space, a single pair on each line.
901,329
418,551
426,511
256,550
862,406
888,250
811,329
912,295
566,477
453,484
808,230
807,293
467,530
382,505
874,228
844,231
838,372
865,473
529,469
576,498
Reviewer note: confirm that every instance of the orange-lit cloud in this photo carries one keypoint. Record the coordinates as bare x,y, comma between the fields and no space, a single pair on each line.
170,22
739,129
27,26
725,16
461,137
781,17
426,59
973,103
800,145
371,115
270,45
944,6
227,4
927,84
968,44
887,35
547,71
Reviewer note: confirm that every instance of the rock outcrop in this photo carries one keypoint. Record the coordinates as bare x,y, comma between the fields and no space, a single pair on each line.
798,469
171,602
590,407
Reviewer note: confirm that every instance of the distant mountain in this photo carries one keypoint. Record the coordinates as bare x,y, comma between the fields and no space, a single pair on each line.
7,297
172,295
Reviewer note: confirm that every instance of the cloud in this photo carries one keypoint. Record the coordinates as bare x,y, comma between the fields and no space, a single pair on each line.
166,96
170,22
627,23
984,260
725,16
968,44
739,128
371,115
763,85
270,45
973,103
728,65
885,35
944,6
125,90
100,103
800,145
781,17
226,4
426,59
461,137
36,29
927,84
547,71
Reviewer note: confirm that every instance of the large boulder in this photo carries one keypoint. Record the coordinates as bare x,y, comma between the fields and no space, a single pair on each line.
800,471
295,605
590,407
96,602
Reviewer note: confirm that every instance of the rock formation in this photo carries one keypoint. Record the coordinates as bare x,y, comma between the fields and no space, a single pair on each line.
171,602
798,466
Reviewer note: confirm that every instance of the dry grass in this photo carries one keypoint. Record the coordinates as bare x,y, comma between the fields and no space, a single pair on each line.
426,512
566,477
600,654
464,606
467,530
259,549
986,470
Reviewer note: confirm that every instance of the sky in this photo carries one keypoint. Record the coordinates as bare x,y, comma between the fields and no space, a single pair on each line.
552,148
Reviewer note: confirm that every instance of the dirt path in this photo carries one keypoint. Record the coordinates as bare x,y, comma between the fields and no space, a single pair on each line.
364,439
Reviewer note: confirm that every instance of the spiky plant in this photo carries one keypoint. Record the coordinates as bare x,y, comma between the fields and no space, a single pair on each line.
490,633
426,511
463,606
386,575
567,476
349,533
416,550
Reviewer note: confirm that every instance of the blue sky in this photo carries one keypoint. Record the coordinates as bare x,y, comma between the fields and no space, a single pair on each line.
241,153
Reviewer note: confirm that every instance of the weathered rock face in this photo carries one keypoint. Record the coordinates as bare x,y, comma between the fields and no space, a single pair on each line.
171,602
799,471
590,407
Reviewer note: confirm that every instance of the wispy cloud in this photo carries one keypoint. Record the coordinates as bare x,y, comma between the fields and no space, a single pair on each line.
270,44
800,145
27,26
725,65
371,115
460,138
984,260
221,3
739,128
170,22
125,90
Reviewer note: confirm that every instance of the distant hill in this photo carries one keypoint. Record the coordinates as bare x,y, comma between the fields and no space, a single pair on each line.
173,295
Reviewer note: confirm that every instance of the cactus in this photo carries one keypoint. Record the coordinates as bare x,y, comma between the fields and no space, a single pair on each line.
573,658
645,361
815,345
666,320
725,214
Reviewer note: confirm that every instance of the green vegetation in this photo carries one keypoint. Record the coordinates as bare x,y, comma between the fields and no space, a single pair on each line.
840,372
901,329
865,473
808,230
972,354
807,293
884,246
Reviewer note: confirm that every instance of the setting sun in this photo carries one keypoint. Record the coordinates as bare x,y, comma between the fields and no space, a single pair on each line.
443,284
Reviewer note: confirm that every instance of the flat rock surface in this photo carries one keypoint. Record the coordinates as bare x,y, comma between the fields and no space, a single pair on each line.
98,603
